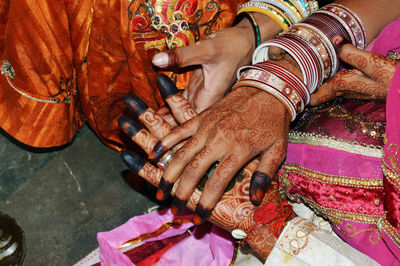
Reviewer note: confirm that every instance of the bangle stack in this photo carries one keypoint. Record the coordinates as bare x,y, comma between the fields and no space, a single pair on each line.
278,81
285,12
309,43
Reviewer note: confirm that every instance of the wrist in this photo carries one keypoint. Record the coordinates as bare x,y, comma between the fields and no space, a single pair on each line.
268,27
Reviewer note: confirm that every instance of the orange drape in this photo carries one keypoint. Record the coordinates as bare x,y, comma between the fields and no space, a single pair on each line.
69,62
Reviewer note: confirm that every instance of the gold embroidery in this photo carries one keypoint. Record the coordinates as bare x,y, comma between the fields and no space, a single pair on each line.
332,179
394,159
335,143
391,175
352,232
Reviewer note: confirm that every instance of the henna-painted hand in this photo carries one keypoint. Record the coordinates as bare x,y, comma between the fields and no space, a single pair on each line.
369,80
218,58
239,127
234,211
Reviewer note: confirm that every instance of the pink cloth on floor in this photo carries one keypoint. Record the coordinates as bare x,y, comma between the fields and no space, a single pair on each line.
207,245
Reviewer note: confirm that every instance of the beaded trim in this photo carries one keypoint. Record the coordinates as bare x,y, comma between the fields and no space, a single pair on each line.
335,143
333,179
390,231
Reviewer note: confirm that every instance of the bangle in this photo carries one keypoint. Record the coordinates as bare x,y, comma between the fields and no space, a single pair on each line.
305,31
287,7
350,21
269,10
256,28
271,90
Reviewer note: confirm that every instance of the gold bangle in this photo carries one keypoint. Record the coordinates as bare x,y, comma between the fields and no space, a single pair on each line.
295,8
268,10
313,5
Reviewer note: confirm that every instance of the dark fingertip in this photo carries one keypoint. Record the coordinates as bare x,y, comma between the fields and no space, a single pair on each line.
166,86
136,104
259,184
157,152
178,206
339,46
164,189
129,126
132,160
200,215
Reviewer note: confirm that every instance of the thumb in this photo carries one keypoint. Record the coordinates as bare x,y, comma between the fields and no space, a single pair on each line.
194,54
324,94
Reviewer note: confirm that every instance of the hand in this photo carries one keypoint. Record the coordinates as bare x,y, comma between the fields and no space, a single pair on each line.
239,127
369,80
234,211
219,56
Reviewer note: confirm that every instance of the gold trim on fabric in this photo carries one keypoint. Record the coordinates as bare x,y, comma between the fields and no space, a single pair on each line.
385,226
332,179
334,215
335,143
157,232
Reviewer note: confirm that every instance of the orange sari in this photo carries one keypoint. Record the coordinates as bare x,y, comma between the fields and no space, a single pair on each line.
64,63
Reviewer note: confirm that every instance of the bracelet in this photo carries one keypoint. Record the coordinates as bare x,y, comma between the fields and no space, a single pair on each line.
287,7
303,55
303,30
271,90
350,21
256,29
269,10
279,82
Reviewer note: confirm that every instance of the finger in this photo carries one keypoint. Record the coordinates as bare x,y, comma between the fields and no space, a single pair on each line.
190,55
137,133
170,120
216,186
191,176
350,83
178,134
181,158
266,169
373,65
153,122
179,106
139,166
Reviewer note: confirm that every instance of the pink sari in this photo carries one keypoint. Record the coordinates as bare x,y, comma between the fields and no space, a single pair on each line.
338,164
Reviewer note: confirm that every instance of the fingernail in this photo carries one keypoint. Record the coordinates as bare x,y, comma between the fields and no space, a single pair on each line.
166,86
129,126
178,206
259,184
339,44
135,104
132,160
157,152
201,215
164,189
337,40
160,60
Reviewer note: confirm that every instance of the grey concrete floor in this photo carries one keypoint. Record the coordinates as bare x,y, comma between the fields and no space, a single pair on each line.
63,198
